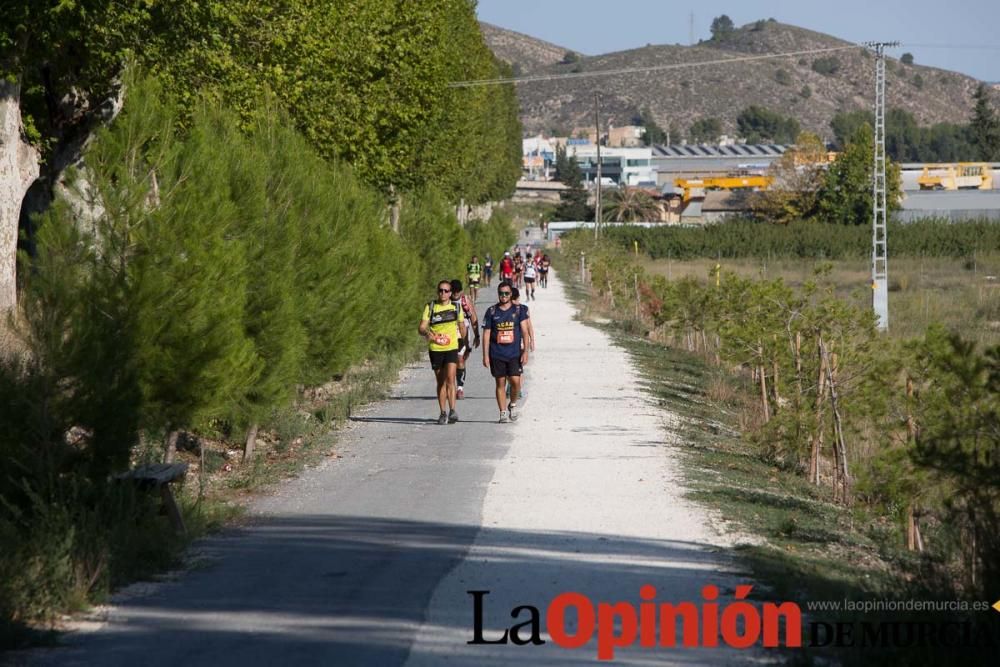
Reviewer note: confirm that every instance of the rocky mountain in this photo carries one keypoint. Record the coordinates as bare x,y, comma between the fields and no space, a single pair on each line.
526,54
811,87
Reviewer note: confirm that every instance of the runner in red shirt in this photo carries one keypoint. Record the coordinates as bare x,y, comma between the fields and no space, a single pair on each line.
506,268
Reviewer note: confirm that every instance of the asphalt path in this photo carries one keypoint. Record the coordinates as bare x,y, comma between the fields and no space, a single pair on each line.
369,558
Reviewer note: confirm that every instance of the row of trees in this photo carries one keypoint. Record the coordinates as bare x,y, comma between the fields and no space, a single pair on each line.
201,278
909,428
906,141
755,123
365,81
809,239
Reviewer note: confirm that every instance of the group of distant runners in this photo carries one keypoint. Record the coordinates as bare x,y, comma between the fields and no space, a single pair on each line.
508,335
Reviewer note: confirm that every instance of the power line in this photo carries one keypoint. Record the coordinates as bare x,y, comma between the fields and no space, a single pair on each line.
956,47
651,68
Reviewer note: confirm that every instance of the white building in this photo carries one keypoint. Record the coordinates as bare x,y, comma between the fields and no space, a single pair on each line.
624,166
537,156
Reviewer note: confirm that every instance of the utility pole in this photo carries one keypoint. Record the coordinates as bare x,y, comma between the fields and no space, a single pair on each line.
691,30
597,122
880,259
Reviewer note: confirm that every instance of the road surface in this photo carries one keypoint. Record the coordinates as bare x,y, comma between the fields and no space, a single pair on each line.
368,559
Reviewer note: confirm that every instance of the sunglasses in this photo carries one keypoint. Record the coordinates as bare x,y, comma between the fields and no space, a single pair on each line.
444,291
505,293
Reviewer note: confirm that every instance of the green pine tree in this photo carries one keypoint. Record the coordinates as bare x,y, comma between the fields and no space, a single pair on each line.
573,201
984,129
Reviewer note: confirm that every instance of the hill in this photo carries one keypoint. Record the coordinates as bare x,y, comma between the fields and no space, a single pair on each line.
525,54
811,88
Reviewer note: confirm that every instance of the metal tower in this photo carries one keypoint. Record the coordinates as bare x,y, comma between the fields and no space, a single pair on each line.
880,260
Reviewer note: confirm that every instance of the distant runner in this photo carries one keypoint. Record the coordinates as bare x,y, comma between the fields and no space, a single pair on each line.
543,271
474,270
506,268
472,326
443,324
503,331
530,274
488,269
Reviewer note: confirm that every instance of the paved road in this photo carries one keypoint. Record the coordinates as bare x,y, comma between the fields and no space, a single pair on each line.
367,559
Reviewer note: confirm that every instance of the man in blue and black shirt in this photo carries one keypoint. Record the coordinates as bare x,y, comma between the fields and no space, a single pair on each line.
504,327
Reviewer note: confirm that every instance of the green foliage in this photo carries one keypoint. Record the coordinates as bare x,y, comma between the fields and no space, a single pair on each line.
783,77
958,439
905,140
907,430
760,125
907,59
626,204
705,131
984,128
573,202
722,28
847,194
492,237
654,134
430,228
812,240
365,81
806,92
827,66
797,180
570,57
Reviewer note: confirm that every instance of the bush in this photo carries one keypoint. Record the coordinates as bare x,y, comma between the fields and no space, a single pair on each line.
783,77
827,66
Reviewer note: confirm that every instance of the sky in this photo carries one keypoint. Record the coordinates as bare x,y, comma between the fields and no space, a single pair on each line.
593,27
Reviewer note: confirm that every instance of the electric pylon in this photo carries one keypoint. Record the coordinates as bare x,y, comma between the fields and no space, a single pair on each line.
880,258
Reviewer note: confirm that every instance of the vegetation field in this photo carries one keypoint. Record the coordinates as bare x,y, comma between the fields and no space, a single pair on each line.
866,463
962,294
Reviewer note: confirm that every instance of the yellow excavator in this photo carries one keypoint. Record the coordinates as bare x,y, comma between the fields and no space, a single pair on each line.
696,187
957,176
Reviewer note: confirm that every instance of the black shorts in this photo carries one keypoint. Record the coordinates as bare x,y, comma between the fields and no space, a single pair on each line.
473,283
500,368
529,280
439,359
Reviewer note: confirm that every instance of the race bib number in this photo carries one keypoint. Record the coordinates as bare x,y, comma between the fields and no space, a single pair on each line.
505,336
442,339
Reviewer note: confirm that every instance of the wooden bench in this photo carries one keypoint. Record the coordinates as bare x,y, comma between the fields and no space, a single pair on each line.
159,476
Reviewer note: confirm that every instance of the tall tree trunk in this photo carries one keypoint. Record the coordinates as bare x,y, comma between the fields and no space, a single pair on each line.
763,385
843,477
817,441
798,365
394,205
250,444
20,165
171,448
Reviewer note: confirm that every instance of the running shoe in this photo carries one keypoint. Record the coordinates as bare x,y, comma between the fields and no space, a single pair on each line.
504,417
512,405
460,393
442,419
513,417
452,417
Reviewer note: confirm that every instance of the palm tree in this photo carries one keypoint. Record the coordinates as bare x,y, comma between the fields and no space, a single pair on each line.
630,205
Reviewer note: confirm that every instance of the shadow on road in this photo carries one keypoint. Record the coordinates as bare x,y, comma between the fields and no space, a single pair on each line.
344,590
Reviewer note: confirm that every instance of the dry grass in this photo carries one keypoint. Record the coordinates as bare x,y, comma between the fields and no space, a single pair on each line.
961,294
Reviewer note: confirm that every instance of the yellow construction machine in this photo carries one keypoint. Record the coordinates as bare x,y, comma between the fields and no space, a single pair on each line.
696,187
957,176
